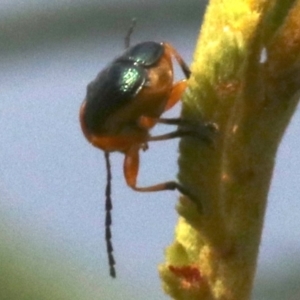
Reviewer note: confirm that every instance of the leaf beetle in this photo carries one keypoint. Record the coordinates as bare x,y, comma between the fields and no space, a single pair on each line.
126,100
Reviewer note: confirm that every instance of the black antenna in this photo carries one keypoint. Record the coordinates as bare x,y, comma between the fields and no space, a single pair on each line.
129,33
108,202
108,220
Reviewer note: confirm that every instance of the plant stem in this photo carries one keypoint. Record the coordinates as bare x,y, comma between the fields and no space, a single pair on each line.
245,79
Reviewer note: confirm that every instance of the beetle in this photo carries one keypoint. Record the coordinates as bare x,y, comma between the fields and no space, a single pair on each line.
125,101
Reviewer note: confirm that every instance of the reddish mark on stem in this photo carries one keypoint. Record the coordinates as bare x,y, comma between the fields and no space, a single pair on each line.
189,275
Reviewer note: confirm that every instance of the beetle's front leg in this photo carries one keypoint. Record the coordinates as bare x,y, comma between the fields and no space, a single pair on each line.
176,94
131,168
184,67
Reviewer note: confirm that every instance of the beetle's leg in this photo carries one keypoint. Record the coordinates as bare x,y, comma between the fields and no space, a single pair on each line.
184,67
176,94
186,126
203,134
202,131
131,168
167,136
147,122
173,121
116,143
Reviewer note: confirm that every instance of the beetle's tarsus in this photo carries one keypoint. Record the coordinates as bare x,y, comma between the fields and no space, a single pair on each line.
203,131
173,185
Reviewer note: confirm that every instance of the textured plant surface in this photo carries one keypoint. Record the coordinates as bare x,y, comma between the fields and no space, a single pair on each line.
246,80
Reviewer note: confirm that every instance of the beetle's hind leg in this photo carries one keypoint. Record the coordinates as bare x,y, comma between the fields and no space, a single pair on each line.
131,168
